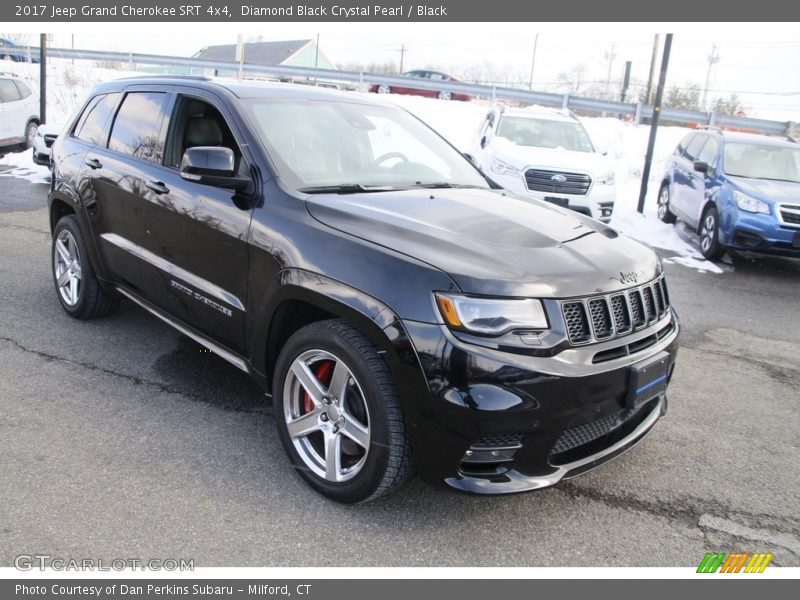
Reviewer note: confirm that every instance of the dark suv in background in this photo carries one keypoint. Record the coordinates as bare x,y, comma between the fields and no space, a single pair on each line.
738,190
403,315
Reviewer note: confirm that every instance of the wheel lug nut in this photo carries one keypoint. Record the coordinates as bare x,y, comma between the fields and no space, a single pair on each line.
323,417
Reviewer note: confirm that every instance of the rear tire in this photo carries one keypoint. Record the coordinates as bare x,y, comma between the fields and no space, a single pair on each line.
30,135
709,234
384,89
336,395
664,213
445,96
77,287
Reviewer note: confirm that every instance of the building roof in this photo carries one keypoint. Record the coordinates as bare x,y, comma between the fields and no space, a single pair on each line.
258,53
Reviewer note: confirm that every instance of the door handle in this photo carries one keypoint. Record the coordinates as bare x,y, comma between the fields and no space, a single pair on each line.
157,186
93,163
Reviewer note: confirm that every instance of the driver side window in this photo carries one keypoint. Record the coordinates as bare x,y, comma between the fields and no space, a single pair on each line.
198,123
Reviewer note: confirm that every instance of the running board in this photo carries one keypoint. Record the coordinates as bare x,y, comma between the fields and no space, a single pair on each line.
219,351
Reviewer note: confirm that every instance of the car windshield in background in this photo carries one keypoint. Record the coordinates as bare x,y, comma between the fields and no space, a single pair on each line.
544,133
762,161
344,147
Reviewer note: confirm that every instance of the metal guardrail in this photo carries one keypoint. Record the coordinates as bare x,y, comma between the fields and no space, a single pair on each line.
636,111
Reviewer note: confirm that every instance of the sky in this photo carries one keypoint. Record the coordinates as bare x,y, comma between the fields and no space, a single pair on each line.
759,62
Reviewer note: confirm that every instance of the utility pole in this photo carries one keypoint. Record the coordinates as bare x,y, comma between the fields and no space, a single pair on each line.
533,60
626,80
713,59
403,51
43,78
611,55
651,142
651,79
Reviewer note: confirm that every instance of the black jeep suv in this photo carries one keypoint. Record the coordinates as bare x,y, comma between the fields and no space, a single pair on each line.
403,313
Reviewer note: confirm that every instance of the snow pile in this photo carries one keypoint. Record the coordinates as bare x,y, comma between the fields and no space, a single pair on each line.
24,167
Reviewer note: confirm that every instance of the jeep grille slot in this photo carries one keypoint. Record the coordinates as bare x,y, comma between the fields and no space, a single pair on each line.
577,323
557,182
601,318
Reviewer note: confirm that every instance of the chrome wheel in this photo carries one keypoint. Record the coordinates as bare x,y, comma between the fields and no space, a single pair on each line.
30,135
384,89
445,96
663,202
67,267
708,232
326,416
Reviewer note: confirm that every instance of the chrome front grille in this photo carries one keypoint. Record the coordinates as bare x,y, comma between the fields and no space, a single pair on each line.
789,214
601,318
557,182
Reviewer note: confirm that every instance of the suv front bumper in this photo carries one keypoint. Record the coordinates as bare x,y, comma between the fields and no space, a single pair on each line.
543,420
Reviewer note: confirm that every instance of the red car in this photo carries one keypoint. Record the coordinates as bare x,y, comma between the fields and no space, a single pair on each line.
384,88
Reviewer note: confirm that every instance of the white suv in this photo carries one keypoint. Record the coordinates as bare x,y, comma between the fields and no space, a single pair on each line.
19,112
547,154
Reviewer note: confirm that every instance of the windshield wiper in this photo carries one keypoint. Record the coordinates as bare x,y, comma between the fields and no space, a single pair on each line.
443,185
347,188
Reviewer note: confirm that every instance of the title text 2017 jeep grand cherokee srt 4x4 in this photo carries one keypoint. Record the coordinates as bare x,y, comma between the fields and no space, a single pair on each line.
403,315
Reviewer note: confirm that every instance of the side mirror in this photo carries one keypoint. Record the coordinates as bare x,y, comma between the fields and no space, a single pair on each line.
483,142
603,151
212,165
701,167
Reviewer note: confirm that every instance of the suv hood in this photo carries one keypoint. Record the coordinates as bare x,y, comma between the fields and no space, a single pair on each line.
491,242
550,158
769,190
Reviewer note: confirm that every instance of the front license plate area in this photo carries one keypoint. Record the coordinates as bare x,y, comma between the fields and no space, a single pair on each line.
563,202
647,379
796,240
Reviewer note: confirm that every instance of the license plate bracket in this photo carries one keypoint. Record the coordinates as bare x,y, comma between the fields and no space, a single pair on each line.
796,240
647,379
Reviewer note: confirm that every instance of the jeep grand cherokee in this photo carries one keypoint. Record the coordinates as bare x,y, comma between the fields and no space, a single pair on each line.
403,315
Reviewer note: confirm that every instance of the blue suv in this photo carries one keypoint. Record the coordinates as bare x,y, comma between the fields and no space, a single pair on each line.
738,190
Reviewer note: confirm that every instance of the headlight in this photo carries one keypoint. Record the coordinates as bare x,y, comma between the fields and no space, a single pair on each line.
503,168
750,204
606,178
490,316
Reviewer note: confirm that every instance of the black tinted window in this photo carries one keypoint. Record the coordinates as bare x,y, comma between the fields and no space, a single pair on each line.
694,147
8,91
24,90
137,128
92,127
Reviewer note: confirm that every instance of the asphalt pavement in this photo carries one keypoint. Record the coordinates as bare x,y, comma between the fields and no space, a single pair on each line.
121,438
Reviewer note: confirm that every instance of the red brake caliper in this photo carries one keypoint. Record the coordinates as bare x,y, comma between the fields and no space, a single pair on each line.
322,372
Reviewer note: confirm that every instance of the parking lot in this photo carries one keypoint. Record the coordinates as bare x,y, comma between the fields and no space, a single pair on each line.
122,438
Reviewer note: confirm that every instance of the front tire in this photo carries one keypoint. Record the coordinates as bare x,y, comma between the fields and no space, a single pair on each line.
664,213
384,89
77,287
709,234
338,414
445,96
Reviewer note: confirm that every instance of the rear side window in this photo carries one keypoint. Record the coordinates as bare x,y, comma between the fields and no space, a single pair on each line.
684,143
137,127
8,91
24,90
92,127
693,150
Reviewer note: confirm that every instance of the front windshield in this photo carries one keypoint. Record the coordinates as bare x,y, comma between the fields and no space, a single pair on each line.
762,161
544,133
318,144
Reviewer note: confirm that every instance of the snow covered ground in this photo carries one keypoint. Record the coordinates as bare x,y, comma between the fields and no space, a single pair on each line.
456,121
